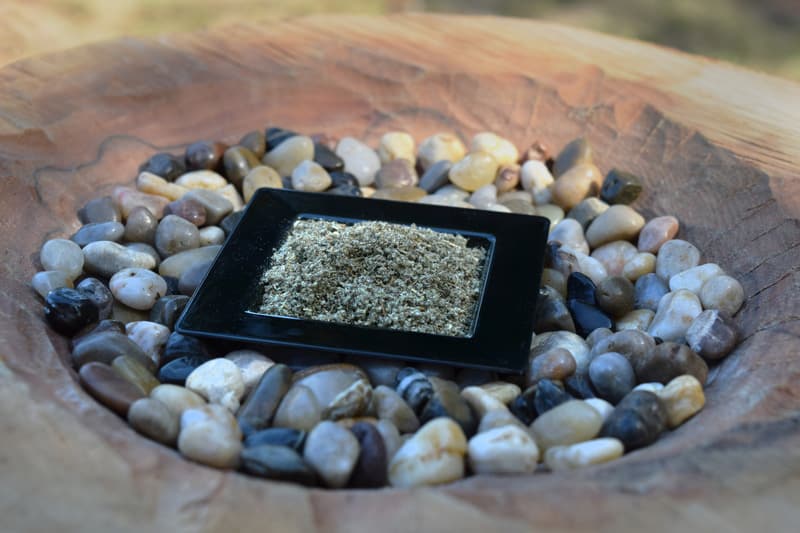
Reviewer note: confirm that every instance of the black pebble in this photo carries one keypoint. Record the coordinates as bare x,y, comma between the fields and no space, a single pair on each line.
68,311
277,462
177,370
343,178
345,190
588,318
637,421
167,309
581,288
293,438
327,158
523,406
179,346
579,386
165,165
549,395
620,187
275,136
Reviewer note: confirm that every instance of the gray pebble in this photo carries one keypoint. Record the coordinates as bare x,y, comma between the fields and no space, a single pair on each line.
176,265
216,205
45,281
436,176
62,255
106,346
612,376
98,231
175,235
192,278
648,291
277,462
637,421
141,225
588,210
99,210
106,258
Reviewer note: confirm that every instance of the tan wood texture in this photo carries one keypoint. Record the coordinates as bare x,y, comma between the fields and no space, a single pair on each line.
717,146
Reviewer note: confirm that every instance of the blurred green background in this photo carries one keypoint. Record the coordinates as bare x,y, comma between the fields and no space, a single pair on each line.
763,35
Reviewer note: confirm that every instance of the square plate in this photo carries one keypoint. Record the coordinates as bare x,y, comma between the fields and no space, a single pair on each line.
223,306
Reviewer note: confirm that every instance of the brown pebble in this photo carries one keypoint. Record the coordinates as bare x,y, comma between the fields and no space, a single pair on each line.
538,151
615,296
556,364
575,153
187,209
507,178
204,155
238,161
153,419
135,373
667,361
371,469
576,184
255,142
109,388
656,232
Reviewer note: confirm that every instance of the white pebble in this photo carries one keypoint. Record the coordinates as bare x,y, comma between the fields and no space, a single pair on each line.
674,257
502,149
151,337
290,153
637,319
332,451
310,177
359,159
62,255
46,281
723,293
396,145
433,455
211,235
693,278
536,178
218,381
484,197
675,313
569,232
587,453
504,450
601,406
438,147
252,365
137,288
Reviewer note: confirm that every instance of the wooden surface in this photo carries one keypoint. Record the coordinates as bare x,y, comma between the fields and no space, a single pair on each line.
717,146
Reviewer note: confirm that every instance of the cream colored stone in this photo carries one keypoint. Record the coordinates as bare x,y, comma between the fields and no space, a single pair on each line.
211,436
438,147
500,418
503,150
178,399
637,319
290,153
503,391
569,423
574,185
310,177
299,409
332,451
504,450
390,406
693,278
397,145
481,400
641,264
474,171
433,455
252,365
258,178
601,406
682,397
674,257
569,232
617,223
138,288
202,179
152,184
723,293
583,454
614,256
65,256
230,193
219,381
536,178
359,159
676,311
656,232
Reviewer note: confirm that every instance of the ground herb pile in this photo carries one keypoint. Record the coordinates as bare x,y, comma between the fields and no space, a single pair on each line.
375,274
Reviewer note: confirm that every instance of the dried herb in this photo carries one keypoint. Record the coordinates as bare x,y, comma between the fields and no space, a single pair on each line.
375,274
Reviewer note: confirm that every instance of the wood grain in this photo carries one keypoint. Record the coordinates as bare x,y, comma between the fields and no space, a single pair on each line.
716,145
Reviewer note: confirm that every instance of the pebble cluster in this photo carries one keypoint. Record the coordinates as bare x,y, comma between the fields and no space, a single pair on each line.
628,318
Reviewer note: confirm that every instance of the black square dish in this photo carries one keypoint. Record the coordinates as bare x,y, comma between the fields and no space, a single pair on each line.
225,305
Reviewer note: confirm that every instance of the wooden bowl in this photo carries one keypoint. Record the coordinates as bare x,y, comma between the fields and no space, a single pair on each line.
717,146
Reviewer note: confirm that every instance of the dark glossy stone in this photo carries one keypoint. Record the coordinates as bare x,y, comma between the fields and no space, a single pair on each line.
256,142
292,438
523,406
436,177
581,288
413,386
277,462
237,162
257,411
109,388
204,155
588,318
187,209
637,421
551,312
345,190
667,361
98,231
574,153
579,386
275,136
446,400
620,187
173,285
99,294
343,178
648,291
166,165
549,395
99,210
177,370
193,276
167,309
612,376
105,346
371,468
615,296
230,222
68,310
327,158
179,346
104,325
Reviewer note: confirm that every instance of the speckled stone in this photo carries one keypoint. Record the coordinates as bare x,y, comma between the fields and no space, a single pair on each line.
722,293
100,209
620,187
592,452
137,288
712,335
675,313
166,165
359,159
432,456
569,423
676,256
656,232
438,147
669,360
637,421
257,411
332,451
99,231
218,381
109,388
154,420
141,226
503,450
612,376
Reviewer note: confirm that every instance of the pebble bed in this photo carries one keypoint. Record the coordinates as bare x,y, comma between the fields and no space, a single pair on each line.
628,320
